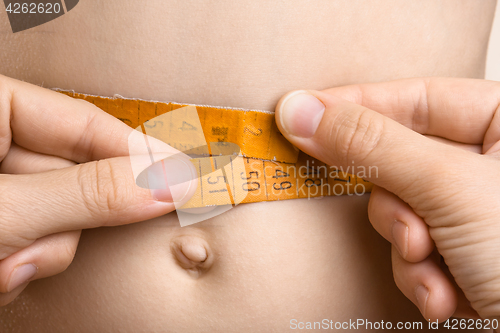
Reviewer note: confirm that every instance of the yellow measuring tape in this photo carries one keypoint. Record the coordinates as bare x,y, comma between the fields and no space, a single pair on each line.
272,168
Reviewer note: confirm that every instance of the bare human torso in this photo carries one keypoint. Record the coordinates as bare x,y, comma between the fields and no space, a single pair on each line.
274,262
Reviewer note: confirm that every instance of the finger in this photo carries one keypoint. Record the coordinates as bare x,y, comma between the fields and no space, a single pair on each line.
21,161
408,164
398,223
47,256
89,195
9,297
51,123
462,110
50,254
425,284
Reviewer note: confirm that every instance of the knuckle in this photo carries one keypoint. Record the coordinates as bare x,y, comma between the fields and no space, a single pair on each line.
104,191
86,138
358,135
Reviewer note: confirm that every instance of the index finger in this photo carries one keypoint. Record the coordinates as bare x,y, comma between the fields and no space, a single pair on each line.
462,110
49,122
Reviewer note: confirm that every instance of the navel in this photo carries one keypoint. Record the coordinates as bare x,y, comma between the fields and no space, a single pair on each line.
192,253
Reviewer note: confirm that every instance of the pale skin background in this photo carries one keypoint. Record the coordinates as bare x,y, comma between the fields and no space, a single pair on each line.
493,56
271,262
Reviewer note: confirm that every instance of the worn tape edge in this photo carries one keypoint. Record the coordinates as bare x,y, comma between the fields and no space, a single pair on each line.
115,96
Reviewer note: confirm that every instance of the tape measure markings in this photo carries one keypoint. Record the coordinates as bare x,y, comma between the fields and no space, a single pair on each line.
261,176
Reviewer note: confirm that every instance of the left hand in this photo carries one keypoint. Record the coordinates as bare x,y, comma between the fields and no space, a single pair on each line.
66,165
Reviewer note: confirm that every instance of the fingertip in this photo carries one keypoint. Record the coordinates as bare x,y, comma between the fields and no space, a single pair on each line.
420,243
7,298
45,257
400,234
21,274
170,179
426,285
442,300
282,101
396,221
299,113
15,271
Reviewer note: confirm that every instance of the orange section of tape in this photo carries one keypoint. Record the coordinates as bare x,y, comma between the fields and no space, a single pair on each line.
272,169
255,132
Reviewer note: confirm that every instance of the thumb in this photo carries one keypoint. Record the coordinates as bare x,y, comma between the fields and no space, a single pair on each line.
89,195
343,134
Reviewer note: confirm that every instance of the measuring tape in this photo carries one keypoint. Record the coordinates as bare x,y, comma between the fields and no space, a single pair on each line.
270,168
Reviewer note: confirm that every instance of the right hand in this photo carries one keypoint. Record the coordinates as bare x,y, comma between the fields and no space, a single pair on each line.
430,194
